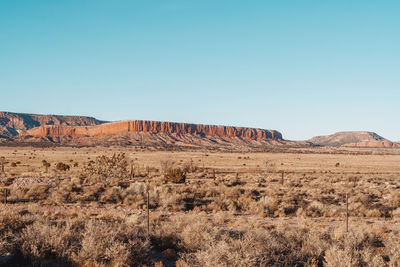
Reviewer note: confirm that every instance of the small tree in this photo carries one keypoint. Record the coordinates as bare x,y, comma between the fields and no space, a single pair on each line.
106,169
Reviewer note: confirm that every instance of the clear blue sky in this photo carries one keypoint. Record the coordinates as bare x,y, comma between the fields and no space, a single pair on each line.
304,67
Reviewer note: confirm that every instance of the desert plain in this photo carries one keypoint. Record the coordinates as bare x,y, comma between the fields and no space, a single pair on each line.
127,206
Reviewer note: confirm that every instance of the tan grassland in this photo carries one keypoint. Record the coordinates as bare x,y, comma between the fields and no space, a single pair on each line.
207,208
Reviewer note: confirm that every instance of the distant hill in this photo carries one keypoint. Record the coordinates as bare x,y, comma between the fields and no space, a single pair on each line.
12,124
353,139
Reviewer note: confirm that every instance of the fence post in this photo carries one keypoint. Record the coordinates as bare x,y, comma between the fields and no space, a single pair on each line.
2,160
148,213
347,212
5,195
132,173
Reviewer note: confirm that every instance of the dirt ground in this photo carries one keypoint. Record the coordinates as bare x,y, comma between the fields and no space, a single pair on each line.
290,190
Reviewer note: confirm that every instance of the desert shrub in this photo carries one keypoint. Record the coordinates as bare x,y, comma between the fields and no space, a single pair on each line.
392,246
42,241
166,165
6,181
37,192
62,167
175,175
168,198
93,192
112,194
112,244
357,248
202,243
68,190
71,242
315,209
46,164
107,169
183,232
396,213
135,195
10,220
253,248
13,164
34,191
190,167
197,239
271,205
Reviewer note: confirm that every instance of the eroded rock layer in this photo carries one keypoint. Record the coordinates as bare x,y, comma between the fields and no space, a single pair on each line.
154,127
374,144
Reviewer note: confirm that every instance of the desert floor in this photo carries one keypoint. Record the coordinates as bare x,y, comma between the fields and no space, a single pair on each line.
219,210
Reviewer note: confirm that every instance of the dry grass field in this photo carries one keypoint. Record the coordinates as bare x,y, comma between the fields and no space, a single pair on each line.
88,207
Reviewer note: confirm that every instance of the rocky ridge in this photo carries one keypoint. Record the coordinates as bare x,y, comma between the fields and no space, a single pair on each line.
20,129
14,124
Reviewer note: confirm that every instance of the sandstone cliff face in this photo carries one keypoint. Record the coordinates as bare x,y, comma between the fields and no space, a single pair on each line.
11,124
43,130
154,127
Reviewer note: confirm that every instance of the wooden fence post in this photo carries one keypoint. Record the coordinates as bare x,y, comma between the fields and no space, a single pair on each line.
4,194
2,161
148,214
132,173
347,212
